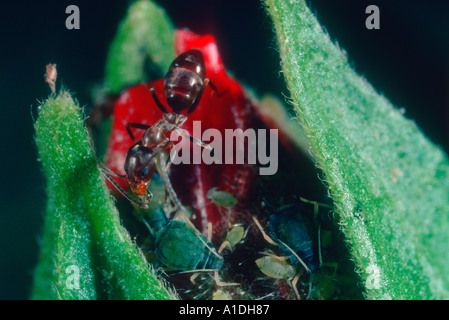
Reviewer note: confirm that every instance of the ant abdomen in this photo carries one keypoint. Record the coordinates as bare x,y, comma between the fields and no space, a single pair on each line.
184,80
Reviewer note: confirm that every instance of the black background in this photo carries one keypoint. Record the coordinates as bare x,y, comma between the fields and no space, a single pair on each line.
407,60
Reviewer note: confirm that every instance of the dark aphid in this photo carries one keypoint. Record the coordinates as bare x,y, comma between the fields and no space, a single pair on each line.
184,85
295,228
297,233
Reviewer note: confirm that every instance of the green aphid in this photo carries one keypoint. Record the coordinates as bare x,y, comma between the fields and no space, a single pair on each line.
221,198
276,267
180,246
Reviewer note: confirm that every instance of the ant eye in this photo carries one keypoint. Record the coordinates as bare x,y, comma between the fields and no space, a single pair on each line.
144,172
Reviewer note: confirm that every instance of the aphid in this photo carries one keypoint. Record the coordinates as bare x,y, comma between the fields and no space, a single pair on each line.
184,85
221,295
221,198
235,235
291,230
276,267
178,245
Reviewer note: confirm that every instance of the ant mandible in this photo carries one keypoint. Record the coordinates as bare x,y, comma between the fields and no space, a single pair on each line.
184,85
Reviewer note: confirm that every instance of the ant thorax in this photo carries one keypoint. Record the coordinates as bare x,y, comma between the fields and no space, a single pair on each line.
174,119
156,136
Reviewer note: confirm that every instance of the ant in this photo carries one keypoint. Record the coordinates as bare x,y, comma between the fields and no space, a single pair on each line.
184,85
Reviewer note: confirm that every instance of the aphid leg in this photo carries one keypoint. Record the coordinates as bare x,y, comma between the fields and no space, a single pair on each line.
223,284
130,125
265,236
184,218
227,243
280,258
193,277
224,245
294,282
108,173
209,231
309,294
215,277
156,99
296,256
316,203
316,206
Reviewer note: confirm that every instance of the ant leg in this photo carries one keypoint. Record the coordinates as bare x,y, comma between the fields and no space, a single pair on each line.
200,94
156,99
185,135
130,125
106,170
213,87
198,98
161,163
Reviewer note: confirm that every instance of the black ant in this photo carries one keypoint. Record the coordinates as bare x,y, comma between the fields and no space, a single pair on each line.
184,85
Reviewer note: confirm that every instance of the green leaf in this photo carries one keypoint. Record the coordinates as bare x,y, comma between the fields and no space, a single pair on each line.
145,34
82,233
390,184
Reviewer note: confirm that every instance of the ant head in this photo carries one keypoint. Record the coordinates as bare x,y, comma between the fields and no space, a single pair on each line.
139,166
